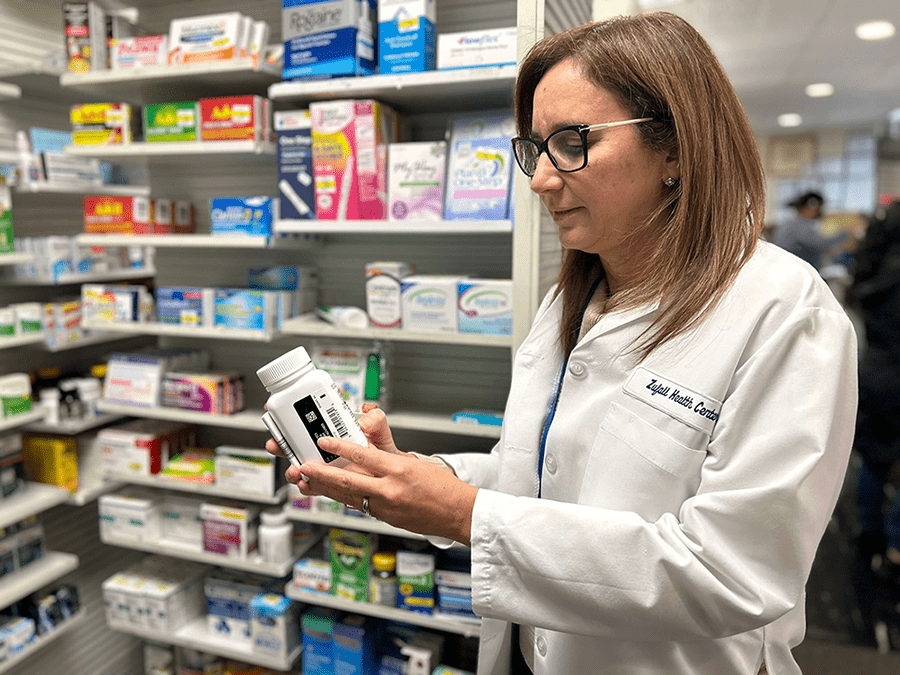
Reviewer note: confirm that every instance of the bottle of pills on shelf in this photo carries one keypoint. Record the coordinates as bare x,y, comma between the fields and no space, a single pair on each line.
383,579
304,405
275,536
49,398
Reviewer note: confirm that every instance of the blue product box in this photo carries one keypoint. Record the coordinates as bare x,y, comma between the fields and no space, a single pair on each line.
406,36
278,278
479,169
242,215
328,38
246,308
182,305
318,641
355,638
296,188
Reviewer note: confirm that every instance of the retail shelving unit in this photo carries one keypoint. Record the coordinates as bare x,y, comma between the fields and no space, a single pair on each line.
36,575
347,522
8,342
44,187
173,150
15,258
33,499
41,641
14,421
212,490
76,278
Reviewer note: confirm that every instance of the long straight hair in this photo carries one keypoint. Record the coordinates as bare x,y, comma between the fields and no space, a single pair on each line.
707,225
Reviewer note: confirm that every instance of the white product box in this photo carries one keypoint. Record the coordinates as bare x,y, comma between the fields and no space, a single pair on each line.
347,366
229,530
181,522
485,306
129,515
312,574
228,607
245,470
476,48
383,292
213,37
118,598
416,180
429,302
140,51
170,602
274,625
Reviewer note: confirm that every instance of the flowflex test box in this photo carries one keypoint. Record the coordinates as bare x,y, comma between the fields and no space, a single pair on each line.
328,38
406,42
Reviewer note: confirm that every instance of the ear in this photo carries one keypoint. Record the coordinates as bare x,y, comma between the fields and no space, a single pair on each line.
672,168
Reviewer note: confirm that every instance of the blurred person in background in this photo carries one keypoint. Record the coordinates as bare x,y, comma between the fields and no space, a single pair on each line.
802,235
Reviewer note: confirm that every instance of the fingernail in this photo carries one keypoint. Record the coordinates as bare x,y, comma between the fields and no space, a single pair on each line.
304,477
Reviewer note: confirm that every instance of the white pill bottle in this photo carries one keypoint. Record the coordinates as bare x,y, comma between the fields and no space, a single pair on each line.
304,405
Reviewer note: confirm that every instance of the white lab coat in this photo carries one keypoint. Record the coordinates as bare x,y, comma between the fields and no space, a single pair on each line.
683,497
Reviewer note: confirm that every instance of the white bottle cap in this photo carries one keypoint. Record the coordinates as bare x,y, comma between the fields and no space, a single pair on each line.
284,365
273,517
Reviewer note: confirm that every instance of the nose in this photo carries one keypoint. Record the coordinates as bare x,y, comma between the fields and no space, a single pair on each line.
546,178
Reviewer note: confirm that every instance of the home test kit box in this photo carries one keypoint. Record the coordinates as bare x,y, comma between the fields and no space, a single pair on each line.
406,36
293,132
429,302
328,38
416,180
477,48
350,139
479,167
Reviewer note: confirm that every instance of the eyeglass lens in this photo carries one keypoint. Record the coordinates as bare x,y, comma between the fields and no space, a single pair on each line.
566,148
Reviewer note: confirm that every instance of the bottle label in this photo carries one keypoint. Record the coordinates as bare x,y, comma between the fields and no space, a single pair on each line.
321,417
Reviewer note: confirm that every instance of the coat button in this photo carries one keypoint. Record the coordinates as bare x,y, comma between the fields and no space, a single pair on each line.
551,463
542,646
577,369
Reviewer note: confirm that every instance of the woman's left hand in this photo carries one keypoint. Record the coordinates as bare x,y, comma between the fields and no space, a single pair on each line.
402,490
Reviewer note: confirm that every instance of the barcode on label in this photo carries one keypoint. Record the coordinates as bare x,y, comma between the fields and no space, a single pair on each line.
339,426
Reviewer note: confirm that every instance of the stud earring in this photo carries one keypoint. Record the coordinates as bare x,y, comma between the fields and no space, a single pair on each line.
669,182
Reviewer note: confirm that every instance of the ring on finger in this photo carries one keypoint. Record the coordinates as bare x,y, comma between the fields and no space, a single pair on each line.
365,506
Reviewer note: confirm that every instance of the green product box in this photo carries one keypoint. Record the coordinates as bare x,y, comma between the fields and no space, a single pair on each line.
171,121
415,581
351,556
6,230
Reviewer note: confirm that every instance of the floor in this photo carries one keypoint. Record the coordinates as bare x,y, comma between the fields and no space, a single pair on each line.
823,657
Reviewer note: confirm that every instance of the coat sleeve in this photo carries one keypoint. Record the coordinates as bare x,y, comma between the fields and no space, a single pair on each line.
737,554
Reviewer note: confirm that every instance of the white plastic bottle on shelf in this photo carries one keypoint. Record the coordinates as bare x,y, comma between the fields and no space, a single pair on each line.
49,398
304,405
276,537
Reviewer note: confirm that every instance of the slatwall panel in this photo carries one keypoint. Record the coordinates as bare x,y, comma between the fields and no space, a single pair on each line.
31,35
561,15
90,648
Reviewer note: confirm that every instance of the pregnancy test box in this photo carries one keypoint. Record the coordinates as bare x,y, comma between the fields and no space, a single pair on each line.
349,149
485,306
479,167
293,131
328,38
406,36
416,180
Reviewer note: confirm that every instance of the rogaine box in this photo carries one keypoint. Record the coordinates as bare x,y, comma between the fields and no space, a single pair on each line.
328,38
406,36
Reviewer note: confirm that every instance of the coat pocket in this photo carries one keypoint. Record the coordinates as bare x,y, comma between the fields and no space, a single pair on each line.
635,466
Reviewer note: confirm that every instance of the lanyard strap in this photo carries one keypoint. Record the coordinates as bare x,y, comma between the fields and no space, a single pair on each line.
558,389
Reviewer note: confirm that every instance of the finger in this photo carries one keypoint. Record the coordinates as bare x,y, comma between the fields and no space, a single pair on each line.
273,449
368,407
371,459
375,427
339,484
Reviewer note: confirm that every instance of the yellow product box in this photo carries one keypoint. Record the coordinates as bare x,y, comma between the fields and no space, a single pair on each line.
101,124
51,459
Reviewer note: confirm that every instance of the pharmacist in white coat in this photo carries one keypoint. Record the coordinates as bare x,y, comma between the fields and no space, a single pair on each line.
681,414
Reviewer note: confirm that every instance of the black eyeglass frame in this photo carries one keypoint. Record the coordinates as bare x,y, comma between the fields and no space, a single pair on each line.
582,129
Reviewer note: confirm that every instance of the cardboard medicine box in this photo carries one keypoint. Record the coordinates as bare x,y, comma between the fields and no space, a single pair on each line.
139,51
117,215
52,459
274,625
485,306
101,123
351,556
211,37
429,302
85,31
406,41
415,581
234,118
246,470
416,180
477,48
318,640
229,530
293,133
242,215
170,121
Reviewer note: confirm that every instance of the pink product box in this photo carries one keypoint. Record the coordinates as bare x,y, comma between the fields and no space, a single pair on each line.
215,393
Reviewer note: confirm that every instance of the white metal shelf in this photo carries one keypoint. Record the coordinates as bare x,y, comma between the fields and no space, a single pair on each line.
83,277
252,564
33,499
468,628
36,575
83,189
145,150
41,641
404,227
161,482
434,90
181,330
90,488
15,258
8,342
87,341
195,635
36,413
310,324
252,421
193,241
343,521
73,427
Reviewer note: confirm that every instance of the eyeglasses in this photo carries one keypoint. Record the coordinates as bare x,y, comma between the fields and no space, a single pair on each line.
567,147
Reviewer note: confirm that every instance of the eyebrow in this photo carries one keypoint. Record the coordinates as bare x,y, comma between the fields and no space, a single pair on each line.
562,125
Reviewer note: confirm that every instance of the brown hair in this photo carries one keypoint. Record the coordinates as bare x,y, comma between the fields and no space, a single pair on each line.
658,66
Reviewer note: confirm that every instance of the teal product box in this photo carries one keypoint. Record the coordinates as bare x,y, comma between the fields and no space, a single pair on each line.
415,581
318,640
485,306
247,308
293,131
242,215
479,167
406,40
328,38
479,416
355,640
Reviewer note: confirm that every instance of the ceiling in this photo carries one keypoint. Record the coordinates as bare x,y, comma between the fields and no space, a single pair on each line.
772,49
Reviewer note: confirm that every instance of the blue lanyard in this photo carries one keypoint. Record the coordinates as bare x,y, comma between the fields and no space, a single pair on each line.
556,391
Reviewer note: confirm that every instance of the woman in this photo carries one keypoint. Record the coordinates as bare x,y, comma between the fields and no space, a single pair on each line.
680,414
802,237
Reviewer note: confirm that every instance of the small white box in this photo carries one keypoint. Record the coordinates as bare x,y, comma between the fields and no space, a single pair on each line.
429,302
274,625
245,470
181,522
213,37
129,516
383,293
476,48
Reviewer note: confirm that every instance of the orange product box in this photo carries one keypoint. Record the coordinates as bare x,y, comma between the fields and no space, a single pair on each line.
101,124
117,215
234,118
